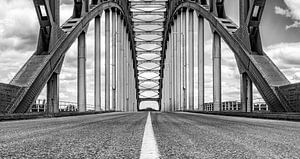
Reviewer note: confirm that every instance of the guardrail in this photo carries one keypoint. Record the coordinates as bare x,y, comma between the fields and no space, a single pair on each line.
64,106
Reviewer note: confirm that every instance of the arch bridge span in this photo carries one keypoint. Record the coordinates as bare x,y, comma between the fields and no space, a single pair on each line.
172,44
244,40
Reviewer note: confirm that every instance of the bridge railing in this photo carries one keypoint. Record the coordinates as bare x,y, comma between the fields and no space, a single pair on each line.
64,106
236,106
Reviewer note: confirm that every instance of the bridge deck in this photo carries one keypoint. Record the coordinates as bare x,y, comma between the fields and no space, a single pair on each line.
178,135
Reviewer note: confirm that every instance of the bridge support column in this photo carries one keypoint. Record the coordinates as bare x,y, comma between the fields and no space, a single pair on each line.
125,66
246,93
122,74
217,91
114,58
81,93
179,63
174,64
201,63
97,94
119,63
167,79
170,76
249,95
107,60
191,52
172,82
53,94
184,54
130,87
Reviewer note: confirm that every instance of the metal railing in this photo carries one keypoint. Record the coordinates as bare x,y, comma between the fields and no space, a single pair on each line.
64,106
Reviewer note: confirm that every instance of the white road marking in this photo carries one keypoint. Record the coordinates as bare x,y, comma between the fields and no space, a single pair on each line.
149,147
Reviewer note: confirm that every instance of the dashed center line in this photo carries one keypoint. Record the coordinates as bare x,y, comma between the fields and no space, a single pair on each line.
149,147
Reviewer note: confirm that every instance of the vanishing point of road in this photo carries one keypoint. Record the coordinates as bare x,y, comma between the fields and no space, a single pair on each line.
150,135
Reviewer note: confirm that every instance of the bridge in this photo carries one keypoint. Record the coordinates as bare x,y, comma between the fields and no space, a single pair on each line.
152,51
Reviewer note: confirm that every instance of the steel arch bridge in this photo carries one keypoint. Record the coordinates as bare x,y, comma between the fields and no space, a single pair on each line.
149,47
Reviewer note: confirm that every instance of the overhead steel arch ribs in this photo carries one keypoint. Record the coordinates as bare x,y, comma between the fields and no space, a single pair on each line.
24,88
269,80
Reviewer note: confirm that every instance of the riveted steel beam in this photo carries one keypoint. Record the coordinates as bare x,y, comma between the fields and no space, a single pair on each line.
159,33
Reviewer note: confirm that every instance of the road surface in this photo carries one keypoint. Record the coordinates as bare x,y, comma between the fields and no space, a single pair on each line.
167,135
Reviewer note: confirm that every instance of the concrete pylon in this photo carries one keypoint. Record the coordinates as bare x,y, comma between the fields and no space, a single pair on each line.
184,58
170,47
246,93
170,74
53,94
119,59
249,95
81,92
167,78
114,58
97,93
172,81
124,70
191,52
122,52
127,75
201,63
217,91
174,53
179,64
107,60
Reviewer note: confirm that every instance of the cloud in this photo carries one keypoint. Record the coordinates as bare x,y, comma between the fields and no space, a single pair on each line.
18,26
286,57
293,11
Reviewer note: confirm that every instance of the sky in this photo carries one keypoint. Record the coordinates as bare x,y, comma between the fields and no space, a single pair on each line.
280,31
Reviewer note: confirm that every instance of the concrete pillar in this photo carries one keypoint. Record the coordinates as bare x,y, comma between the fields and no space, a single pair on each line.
249,95
172,69
125,70
201,63
243,92
178,61
184,58
107,60
246,93
114,58
167,77
130,83
97,93
132,92
191,52
53,94
217,72
170,74
81,92
119,63
174,54
122,81
127,77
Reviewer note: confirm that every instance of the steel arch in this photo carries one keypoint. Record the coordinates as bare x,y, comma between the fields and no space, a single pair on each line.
29,81
259,68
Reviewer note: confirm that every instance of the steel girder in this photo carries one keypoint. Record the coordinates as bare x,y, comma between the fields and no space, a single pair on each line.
25,87
148,20
245,42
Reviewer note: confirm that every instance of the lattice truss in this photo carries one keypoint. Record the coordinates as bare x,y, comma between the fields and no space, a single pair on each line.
148,20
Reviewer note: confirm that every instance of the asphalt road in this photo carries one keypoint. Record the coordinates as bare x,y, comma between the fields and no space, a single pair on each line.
177,135
113,135
185,135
